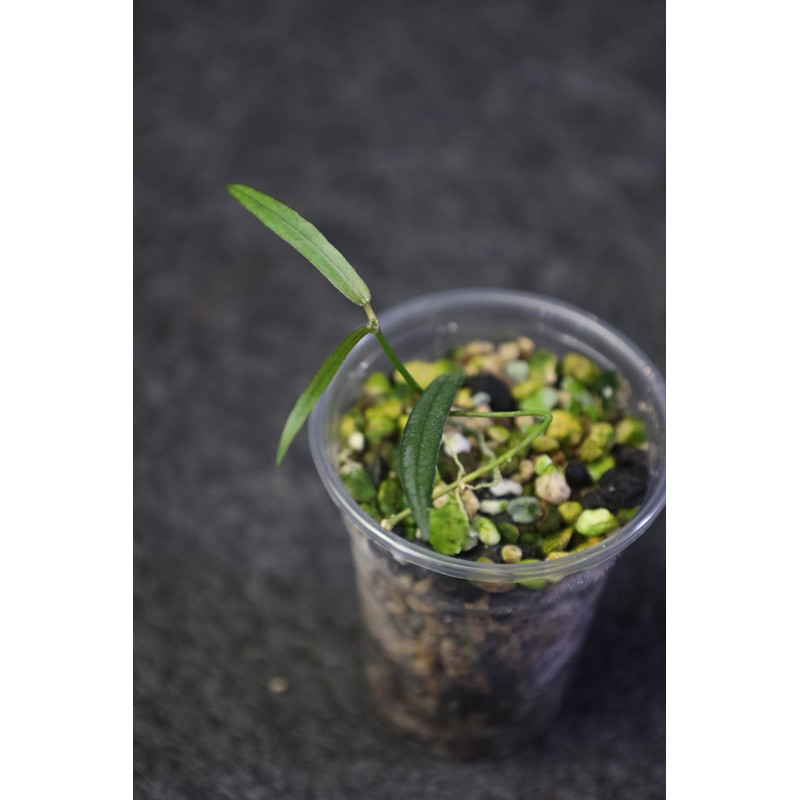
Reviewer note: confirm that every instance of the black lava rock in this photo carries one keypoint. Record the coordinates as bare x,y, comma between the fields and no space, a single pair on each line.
624,487
375,469
577,475
501,399
597,498
627,456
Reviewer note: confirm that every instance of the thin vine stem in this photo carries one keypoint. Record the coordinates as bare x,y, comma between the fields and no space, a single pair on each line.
535,413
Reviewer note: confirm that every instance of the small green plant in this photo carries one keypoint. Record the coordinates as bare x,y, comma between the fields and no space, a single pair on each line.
422,435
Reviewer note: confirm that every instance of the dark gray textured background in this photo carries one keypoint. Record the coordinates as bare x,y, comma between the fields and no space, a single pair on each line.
514,144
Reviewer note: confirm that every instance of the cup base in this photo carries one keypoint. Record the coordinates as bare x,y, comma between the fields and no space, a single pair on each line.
470,739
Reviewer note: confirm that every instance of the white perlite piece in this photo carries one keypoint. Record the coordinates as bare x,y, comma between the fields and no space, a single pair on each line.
455,443
356,441
553,487
493,507
506,487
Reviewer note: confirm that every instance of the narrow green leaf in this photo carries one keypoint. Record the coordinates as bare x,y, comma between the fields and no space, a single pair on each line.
419,447
306,401
306,239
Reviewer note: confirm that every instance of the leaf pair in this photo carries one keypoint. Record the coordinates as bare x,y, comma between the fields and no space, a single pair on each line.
422,435
308,241
419,447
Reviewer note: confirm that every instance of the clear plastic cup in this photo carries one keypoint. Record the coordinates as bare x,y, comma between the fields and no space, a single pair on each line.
471,658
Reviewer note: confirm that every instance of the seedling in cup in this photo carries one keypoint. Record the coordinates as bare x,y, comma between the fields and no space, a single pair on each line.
487,487
433,406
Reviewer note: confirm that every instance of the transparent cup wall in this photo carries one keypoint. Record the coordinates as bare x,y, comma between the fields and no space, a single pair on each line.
474,658
466,668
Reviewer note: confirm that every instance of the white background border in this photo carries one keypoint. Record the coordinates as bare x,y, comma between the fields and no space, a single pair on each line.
66,582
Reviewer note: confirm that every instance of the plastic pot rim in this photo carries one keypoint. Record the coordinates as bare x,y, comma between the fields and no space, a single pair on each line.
625,351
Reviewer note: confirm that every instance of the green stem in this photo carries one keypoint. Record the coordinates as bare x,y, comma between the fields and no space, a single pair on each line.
532,433
373,320
534,413
375,328
396,361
